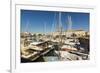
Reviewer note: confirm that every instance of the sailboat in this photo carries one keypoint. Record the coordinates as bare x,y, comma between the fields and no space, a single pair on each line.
68,45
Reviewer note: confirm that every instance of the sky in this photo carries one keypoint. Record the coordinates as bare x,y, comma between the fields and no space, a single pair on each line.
46,21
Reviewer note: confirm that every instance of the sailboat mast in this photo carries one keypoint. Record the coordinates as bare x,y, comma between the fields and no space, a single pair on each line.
45,28
60,25
69,23
53,26
60,28
60,33
27,23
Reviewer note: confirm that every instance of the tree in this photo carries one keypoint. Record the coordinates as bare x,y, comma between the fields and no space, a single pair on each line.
34,35
73,35
63,36
39,35
86,34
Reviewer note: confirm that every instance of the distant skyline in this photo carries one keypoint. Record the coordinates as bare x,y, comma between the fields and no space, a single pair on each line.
46,21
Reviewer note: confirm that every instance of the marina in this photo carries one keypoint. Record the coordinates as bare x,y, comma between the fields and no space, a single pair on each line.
56,45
